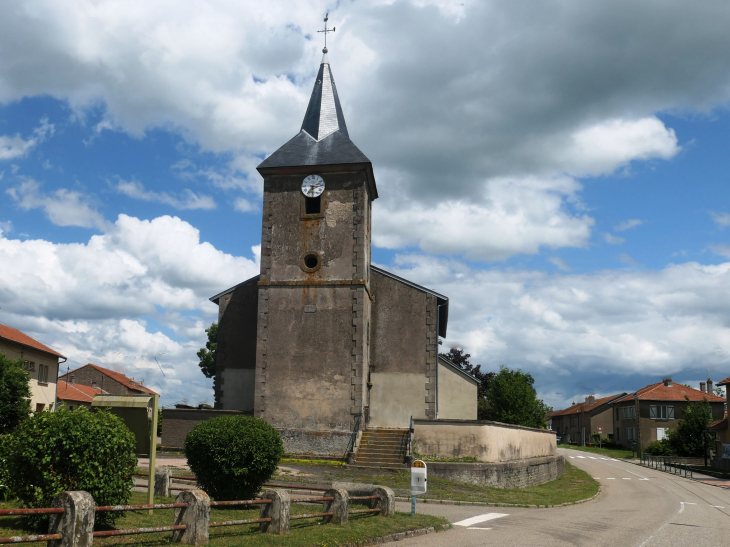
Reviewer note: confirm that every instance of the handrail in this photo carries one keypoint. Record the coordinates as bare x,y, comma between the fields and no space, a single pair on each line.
29,539
106,508
409,439
353,436
42,511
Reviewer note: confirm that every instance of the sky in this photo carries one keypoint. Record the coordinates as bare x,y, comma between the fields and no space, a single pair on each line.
558,169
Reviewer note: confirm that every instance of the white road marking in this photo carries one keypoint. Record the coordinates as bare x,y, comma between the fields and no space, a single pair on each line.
581,457
591,457
719,506
643,479
478,528
572,457
683,503
611,478
627,478
597,478
480,518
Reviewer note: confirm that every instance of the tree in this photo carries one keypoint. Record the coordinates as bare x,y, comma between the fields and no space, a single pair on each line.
207,355
461,360
14,394
691,436
513,400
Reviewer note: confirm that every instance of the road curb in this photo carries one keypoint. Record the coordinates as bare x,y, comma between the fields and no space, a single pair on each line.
488,504
397,536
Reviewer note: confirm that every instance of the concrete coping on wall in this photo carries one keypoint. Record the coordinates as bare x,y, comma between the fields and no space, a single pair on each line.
207,410
483,422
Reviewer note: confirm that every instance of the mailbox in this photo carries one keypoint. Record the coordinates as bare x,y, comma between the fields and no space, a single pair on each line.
418,478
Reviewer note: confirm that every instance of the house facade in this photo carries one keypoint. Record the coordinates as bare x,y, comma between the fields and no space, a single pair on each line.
648,414
40,362
579,422
106,380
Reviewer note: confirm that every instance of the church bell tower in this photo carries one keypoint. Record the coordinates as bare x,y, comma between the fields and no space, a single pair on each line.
314,297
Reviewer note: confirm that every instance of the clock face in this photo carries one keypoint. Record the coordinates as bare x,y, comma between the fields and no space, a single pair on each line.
313,186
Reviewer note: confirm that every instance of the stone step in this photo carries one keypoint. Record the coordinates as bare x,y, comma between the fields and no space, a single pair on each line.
394,467
379,450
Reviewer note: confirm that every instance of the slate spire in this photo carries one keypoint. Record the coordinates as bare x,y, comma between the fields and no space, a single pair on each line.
324,113
323,139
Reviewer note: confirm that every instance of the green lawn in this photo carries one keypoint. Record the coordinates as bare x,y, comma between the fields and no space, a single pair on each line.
304,533
618,453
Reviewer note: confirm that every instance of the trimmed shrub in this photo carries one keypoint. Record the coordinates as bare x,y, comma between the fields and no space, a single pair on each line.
14,393
660,448
52,452
232,456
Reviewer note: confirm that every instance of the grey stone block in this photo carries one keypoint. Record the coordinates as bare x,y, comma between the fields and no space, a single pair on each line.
278,511
196,518
386,503
339,506
162,481
76,523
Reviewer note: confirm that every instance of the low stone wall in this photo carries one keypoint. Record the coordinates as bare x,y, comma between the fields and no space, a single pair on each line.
482,439
177,423
514,474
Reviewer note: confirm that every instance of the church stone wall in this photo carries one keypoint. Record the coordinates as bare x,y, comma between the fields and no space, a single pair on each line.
403,353
235,368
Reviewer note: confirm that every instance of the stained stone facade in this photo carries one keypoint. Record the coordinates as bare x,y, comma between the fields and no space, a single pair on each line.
321,340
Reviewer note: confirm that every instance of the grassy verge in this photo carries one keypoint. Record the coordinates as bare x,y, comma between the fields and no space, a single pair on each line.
618,453
304,533
315,463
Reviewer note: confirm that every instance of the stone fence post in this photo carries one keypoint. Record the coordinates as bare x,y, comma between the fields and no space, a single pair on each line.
162,481
386,503
196,518
76,523
277,511
339,506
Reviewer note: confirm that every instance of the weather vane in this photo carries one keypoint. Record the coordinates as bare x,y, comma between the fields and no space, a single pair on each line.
326,30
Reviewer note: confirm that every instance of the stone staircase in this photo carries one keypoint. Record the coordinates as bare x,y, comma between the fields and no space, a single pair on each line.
382,448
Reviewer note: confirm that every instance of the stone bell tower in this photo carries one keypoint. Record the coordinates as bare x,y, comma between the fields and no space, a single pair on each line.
314,297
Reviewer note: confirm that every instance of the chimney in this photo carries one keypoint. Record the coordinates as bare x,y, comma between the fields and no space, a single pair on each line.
668,382
590,400
709,386
702,387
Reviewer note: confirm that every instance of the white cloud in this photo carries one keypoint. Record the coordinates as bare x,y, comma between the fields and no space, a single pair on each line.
63,207
628,260
244,206
559,263
628,224
721,219
613,240
608,145
187,200
513,216
17,147
615,329
722,249
93,300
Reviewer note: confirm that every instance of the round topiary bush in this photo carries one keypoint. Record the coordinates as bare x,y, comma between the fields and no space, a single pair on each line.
52,452
232,456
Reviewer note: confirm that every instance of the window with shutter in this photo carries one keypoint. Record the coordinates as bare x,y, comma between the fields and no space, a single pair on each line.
670,413
652,412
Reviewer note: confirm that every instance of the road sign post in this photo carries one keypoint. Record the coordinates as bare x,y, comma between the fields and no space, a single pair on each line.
600,437
418,482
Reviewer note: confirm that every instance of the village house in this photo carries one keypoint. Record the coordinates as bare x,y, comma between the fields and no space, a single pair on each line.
40,362
649,413
108,381
71,396
579,422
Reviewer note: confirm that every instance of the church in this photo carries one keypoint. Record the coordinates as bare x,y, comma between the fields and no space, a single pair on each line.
322,343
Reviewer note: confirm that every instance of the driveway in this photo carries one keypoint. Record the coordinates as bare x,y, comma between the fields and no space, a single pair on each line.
637,507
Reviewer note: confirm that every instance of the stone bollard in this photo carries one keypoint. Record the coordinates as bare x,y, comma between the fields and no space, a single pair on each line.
339,506
76,523
386,503
196,518
277,511
162,482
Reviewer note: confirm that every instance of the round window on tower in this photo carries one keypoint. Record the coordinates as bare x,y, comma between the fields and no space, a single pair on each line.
311,262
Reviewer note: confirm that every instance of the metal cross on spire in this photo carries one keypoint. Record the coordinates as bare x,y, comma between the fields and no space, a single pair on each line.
325,31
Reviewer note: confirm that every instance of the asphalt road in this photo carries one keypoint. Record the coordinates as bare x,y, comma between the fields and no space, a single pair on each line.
637,507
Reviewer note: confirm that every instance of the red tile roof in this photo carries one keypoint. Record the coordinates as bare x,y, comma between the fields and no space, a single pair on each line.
719,424
14,335
118,376
581,407
76,392
673,392
724,382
